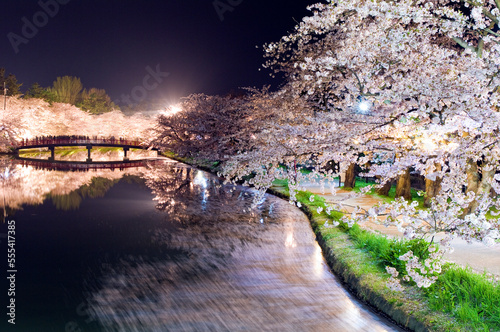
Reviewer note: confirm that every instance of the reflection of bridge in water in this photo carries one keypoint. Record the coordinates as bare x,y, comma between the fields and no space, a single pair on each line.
83,166
58,141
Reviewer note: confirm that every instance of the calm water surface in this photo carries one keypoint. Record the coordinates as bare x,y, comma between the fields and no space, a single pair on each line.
165,248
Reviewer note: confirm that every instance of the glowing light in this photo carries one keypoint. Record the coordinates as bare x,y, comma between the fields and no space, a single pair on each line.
200,180
364,106
290,241
171,110
175,109
26,134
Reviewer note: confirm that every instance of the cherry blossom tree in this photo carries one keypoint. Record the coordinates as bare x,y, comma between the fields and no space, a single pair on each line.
212,127
27,118
9,131
398,85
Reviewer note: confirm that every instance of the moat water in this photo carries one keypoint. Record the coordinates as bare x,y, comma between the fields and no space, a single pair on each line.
164,248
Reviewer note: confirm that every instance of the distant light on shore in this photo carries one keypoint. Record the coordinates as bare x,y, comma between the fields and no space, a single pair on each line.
175,109
170,110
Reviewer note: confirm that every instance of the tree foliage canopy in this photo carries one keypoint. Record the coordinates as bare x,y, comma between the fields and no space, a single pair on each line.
13,87
96,101
37,91
67,89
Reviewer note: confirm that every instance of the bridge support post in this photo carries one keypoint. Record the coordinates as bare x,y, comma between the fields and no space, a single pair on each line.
89,148
125,150
52,153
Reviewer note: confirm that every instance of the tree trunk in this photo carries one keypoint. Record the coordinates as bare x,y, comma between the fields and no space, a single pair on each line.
480,184
403,186
432,188
472,176
472,183
350,176
384,190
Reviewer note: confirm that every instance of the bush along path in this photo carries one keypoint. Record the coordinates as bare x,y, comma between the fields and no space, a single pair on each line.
460,300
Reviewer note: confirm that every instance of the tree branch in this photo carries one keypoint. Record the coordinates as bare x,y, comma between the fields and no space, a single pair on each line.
464,44
490,15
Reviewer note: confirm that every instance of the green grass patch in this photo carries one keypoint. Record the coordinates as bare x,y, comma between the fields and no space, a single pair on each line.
361,183
109,149
61,152
470,297
170,154
386,251
489,216
69,151
205,164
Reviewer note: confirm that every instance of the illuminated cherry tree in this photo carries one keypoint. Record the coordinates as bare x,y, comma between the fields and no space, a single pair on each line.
212,127
27,118
9,131
396,86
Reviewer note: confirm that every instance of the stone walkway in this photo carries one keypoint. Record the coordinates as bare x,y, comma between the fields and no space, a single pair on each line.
479,257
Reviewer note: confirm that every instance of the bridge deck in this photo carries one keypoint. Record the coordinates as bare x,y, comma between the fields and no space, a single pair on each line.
34,146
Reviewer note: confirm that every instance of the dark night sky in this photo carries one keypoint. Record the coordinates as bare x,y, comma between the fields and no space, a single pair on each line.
109,43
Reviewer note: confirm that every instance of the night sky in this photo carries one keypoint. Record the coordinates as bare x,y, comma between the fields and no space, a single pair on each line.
110,44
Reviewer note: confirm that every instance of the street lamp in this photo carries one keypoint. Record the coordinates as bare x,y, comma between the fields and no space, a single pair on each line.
364,106
4,96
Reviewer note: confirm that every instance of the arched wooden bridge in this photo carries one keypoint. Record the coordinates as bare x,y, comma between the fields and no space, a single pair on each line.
51,142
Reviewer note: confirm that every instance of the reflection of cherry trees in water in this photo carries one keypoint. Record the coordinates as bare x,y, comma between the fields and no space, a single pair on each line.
22,185
223,266
212,220
212,225
185,194
98,187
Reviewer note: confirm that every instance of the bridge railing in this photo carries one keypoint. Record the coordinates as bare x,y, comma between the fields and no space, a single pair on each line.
79,140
